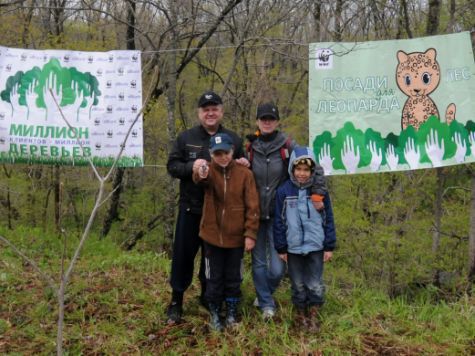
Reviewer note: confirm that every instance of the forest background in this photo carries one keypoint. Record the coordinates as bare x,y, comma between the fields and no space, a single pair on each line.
402,278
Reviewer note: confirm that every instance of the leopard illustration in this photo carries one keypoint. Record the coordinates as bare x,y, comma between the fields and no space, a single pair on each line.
418,75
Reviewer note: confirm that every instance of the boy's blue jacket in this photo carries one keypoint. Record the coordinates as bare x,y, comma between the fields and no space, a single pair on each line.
298,227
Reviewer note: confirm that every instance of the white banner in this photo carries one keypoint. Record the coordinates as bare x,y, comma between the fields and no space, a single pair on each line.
384,106
100,94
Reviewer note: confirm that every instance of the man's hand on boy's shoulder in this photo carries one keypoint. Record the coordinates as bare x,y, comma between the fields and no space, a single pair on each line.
249,244
327,256
243,162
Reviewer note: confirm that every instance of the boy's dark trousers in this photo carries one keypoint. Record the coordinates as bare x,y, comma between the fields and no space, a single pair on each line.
305,272
223,272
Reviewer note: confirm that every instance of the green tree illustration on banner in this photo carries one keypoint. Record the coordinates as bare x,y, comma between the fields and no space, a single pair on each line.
376,147
35,89
437,142
349,149
432,144
460,137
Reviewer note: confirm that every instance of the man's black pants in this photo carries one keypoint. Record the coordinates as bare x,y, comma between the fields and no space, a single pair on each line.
185,246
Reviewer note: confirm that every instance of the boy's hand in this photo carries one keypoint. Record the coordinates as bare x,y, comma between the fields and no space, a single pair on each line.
317,201
249,244
198,163
327,256
283,256
200,166
318,205
203,171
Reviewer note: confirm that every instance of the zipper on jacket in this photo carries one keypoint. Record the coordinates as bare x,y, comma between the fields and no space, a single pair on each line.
267,195
224,208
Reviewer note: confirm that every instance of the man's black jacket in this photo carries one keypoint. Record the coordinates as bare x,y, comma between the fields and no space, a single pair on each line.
190,145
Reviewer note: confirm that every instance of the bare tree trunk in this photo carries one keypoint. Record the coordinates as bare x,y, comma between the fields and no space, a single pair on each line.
169,211
26,27
407,22
316,13
113,212
376,18
8,174
56,12
437,222
338,18
432,28
471,241
433,17
451,24
57,196
9,208
131,24
59,335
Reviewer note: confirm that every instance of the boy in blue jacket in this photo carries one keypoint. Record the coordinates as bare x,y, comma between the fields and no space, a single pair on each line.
303,237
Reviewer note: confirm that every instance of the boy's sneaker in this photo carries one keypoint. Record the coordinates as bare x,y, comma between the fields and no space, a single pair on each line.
301,320
313,319
174,313
268,313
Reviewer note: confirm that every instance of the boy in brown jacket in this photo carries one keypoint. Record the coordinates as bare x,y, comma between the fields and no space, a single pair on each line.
228,226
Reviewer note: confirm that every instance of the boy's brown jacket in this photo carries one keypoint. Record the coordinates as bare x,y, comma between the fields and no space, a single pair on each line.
231,205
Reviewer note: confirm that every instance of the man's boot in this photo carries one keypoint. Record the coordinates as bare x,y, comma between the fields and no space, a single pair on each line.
231,312
174,313
215,322
313,321
175,308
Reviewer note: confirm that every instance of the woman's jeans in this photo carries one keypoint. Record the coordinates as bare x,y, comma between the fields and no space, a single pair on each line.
267,267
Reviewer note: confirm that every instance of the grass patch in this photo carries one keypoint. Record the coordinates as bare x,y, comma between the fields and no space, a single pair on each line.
116,301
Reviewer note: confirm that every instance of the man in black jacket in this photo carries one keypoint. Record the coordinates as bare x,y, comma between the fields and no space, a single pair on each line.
190,149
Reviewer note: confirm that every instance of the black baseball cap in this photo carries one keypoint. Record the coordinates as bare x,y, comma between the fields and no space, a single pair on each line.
267,110
209,98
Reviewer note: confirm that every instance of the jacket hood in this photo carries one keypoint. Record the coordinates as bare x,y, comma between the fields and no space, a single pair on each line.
300,152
